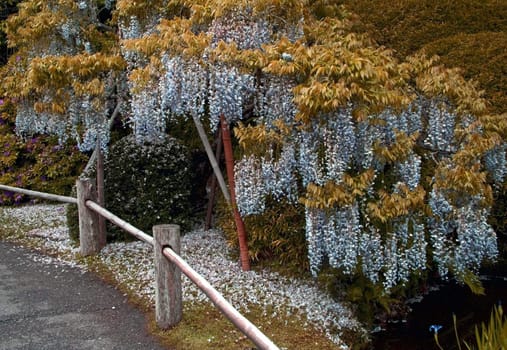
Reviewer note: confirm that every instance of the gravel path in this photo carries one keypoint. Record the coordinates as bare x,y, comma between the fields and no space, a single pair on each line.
53,307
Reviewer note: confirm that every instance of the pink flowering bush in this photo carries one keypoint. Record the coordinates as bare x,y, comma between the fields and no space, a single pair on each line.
36,163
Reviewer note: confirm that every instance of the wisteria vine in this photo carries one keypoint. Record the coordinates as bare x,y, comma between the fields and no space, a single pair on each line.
331,149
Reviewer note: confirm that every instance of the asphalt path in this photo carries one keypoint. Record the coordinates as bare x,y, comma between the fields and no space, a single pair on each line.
51,306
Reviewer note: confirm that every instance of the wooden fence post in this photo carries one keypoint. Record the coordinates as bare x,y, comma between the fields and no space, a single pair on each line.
91,241
168,300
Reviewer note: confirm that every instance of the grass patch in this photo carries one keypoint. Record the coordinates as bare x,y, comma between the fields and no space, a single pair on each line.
204,327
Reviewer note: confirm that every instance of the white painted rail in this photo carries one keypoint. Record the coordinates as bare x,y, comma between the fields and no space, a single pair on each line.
49,196
119,222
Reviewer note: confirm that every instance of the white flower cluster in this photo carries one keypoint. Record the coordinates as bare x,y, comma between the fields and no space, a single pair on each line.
109,4
279,174
404,252
183,86
366,134
345,236
461,237
308,163
250,191
256,179
147,119
274,100
94,121
496,163
130,30
29,122
410,171
342,233
371,253
69,30
341,238
238,27
228,91
82,4
441,125
339,141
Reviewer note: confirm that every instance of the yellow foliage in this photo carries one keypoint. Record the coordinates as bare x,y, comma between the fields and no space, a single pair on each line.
460,179
399,150
256,139
495,125
51,74
400,203
438,81
334,194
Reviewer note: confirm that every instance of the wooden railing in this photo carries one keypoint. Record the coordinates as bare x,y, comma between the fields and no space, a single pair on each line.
168,262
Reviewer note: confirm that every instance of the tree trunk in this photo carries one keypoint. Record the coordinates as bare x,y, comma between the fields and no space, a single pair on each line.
240,226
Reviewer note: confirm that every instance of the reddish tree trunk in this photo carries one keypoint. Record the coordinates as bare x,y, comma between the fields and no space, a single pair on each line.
240,226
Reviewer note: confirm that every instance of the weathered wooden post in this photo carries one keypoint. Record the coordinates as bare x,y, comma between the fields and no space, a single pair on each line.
91,240
168,301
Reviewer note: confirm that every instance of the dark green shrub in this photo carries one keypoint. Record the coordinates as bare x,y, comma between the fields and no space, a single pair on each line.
72,215
147,184
184,130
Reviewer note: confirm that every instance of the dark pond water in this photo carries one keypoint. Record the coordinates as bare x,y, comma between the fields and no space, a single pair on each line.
437,308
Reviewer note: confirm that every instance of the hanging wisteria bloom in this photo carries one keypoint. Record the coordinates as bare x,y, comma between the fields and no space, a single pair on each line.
410,170
342,233
147,119
95,124
249,186
309,164
411,249
279,175
183,86
315,223
475,241
238,27
460,236
415,254
391,263
441,125
229,89
274,100
410,119
366,135
370,251
496,163
29,122
340,143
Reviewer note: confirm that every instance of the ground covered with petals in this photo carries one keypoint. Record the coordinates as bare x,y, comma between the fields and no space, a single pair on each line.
265,293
